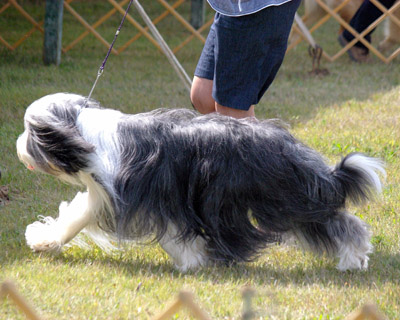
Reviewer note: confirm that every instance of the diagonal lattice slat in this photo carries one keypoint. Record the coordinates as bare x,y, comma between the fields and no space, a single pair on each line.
182,20
87,25
94,26
360,36
316,26
92,29
170,10
333,13
155,21
28,17
135,23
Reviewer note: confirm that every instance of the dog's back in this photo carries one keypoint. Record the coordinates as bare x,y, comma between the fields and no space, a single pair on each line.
217,177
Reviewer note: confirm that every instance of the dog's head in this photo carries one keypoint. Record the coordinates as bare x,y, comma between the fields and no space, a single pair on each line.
51,141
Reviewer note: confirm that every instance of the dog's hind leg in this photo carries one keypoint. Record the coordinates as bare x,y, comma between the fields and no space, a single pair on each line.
344,236
353,237
186,254
51,234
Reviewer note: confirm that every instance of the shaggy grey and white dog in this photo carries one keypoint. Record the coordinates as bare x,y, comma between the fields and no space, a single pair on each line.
208,188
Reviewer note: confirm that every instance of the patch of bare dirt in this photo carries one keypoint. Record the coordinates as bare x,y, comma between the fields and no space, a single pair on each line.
4,195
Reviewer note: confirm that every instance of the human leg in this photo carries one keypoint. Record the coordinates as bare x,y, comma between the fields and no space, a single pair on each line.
201,95
234,113
202,100
240,60
365,15
201,91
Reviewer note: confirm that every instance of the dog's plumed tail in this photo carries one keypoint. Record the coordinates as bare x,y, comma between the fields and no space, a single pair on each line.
357,179
358,176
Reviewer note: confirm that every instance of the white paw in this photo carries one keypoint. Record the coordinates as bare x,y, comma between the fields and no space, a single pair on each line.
191,255
351,263
43,235
190,263
354,257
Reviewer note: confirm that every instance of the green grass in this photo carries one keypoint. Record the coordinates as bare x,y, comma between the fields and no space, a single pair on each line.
355,108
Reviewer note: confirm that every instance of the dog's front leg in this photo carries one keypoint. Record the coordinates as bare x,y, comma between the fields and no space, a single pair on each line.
51,234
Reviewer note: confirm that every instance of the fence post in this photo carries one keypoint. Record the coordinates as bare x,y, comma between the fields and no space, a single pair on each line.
53,32
198,8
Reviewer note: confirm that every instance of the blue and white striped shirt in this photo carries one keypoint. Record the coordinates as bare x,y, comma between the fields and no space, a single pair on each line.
237,8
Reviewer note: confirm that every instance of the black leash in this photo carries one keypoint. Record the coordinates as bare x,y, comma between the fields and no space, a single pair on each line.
101,69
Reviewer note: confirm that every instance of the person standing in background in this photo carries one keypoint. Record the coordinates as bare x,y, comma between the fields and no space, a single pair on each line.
364,16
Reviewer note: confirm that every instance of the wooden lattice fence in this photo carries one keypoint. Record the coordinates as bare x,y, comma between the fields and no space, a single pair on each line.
171,10
184,300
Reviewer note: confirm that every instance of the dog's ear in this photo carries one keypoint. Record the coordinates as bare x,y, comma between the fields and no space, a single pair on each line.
55,142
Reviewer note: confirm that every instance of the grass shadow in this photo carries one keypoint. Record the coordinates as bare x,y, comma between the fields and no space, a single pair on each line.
384,268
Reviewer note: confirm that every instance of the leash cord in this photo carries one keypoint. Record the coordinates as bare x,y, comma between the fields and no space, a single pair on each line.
103,65
164,47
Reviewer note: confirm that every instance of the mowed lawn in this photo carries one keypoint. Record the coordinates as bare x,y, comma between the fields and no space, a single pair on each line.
355,108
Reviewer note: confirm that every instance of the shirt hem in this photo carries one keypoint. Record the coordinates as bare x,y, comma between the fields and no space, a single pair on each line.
240,14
